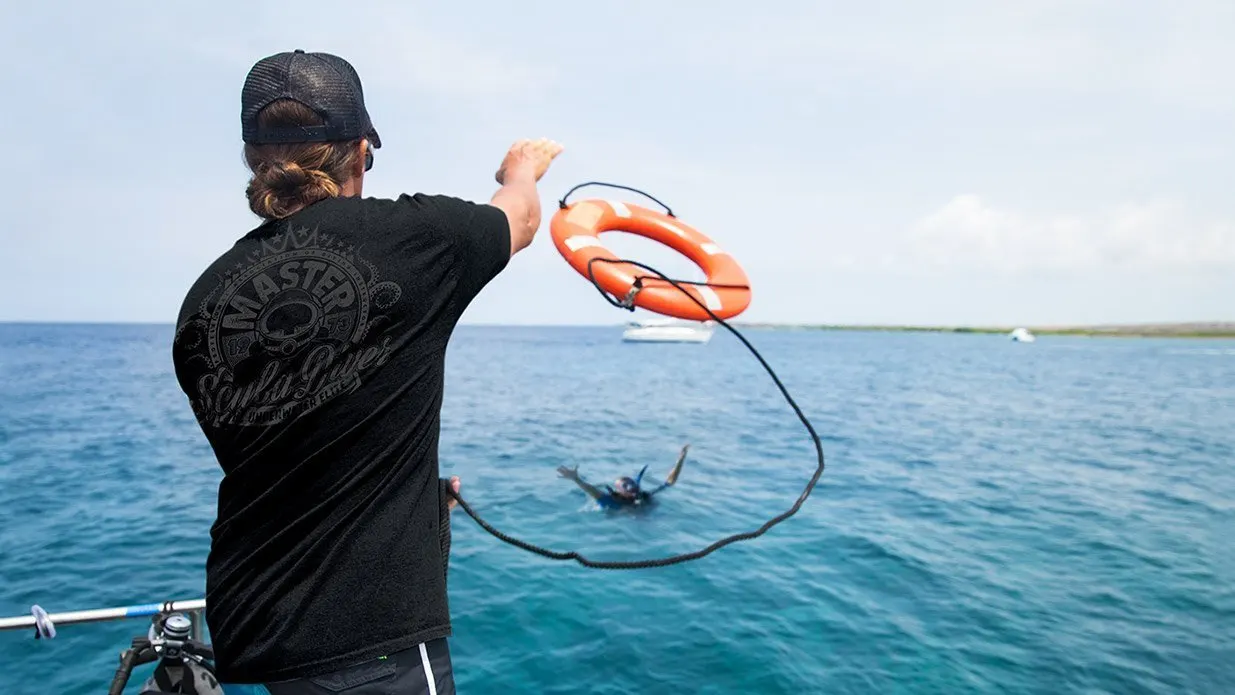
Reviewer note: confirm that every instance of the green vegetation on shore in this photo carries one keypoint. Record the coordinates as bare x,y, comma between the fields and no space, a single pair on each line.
1217,329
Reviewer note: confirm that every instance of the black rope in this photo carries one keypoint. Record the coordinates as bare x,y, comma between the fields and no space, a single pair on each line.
562,203
628,302
698,283
684,557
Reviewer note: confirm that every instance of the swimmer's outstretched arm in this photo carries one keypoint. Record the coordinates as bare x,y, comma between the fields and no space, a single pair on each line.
677,467
673,474
573,474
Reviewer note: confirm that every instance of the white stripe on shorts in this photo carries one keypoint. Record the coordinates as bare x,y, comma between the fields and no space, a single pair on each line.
424,660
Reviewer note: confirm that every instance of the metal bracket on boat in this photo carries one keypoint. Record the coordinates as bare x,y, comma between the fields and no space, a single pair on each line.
629,302
44,628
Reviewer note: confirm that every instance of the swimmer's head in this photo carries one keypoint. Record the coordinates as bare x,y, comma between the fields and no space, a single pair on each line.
626,488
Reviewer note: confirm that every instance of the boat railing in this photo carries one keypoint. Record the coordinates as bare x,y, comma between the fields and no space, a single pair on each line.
45,623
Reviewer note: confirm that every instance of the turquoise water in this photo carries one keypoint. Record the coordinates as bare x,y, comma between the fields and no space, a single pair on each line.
995,518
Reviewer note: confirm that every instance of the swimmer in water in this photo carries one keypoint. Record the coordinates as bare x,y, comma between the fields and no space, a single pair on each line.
625,491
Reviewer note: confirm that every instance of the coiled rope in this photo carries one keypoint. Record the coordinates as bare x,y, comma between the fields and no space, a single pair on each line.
628,304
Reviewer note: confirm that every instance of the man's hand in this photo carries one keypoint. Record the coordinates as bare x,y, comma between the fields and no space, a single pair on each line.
454,485
523,166
568,473
530,156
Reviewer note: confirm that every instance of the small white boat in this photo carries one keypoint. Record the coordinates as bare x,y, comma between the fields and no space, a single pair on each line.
668,331
1022,335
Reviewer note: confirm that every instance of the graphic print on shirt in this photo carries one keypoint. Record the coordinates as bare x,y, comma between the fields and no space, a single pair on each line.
287,329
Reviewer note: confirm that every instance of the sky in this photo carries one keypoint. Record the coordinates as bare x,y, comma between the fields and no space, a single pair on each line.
881,162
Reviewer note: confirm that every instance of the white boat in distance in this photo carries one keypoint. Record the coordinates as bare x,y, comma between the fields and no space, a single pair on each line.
668,331
1022,335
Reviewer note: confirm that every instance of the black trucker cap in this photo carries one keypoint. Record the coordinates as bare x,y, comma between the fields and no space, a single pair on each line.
323,82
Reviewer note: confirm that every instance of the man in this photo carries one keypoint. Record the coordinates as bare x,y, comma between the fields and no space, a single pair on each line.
625,491
312,353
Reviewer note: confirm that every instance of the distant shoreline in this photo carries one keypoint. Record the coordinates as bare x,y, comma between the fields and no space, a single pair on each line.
1217,329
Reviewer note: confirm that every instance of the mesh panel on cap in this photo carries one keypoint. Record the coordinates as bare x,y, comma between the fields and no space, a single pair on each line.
323,82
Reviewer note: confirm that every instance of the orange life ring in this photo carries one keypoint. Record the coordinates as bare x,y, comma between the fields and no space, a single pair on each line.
576,230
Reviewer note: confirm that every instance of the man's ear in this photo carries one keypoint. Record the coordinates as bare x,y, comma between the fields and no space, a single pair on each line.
358,169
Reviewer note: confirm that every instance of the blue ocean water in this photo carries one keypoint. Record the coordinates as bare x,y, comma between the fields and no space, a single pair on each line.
995,517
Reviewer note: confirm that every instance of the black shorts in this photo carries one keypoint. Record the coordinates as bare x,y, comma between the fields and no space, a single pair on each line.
423,669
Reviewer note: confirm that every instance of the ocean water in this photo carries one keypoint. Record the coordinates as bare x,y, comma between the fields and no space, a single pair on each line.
994,518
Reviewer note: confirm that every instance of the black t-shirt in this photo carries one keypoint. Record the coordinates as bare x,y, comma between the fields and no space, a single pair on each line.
312,353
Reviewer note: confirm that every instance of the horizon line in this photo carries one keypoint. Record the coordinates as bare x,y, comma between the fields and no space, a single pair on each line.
746,324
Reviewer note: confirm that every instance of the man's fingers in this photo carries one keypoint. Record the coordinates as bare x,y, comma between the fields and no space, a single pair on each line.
454,485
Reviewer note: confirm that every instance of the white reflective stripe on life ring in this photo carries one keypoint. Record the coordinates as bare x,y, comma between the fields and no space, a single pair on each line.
619,209
582,241
584,214
674,228
710,298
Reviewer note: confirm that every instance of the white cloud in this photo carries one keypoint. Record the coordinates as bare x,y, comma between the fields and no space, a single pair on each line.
1162,234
